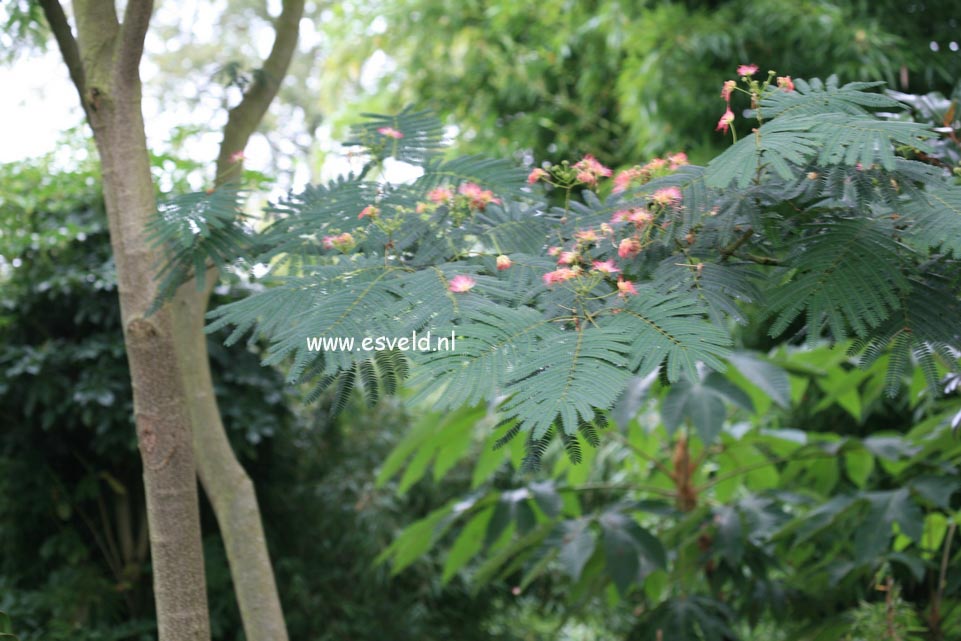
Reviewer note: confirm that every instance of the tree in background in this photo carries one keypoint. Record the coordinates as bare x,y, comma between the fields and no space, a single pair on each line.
178,422
74,562
623,80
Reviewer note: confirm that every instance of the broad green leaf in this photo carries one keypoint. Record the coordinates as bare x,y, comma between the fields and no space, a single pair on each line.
577,543
468,543
630,551
765,375
702,403
487,463
937,489
415,540
858,464
886,509
689,618
455,439
730,536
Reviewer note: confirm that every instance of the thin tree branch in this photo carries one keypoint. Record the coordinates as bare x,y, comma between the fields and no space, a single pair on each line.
67,44
136,20
727,252
244,119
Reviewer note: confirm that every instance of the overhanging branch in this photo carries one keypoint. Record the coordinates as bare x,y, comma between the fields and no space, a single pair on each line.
244,119
136,19
67,45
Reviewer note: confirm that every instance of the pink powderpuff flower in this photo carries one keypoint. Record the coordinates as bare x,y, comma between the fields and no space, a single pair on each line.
559,275
461,283
728,88
479,198
536,174
621,216
625,288
342,242
623,179
421,208
667,196
567,258
440,195
725,121
554,251
677,160
605,266
641,217
653,165
587,178
785,83
586,236
368,212
629,247
589,170
746,70
503,262
390,132
237,156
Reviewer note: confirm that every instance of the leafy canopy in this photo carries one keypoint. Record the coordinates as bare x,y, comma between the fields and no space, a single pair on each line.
820,216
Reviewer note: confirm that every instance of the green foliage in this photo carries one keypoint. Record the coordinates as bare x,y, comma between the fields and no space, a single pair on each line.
198,229
70,482
6,628
623,80
765,526
555,349
722,514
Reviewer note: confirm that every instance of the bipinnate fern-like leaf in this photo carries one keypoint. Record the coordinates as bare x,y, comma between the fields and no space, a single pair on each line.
814,97
828,124
847,277
720,286
916,331
198,230
491,343
669,329
573,374
409,136
934,220
816,202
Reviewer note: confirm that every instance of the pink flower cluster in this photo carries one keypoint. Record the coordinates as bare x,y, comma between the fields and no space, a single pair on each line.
536,174
474,195
478,197
390,132
440,195
643,174
572,263
369,211
460,284
785,83
342,242
589,170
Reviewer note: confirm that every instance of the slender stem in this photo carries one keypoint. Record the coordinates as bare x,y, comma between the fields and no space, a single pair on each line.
634,448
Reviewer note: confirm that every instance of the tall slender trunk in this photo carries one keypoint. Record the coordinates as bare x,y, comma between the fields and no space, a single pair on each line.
163,426
225,482
176,409
104,65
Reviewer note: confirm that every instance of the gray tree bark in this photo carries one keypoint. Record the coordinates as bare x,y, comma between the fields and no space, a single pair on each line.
103,62
178,420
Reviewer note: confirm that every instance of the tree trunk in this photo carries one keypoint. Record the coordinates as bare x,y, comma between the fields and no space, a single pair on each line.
168,352
103,62
225,482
